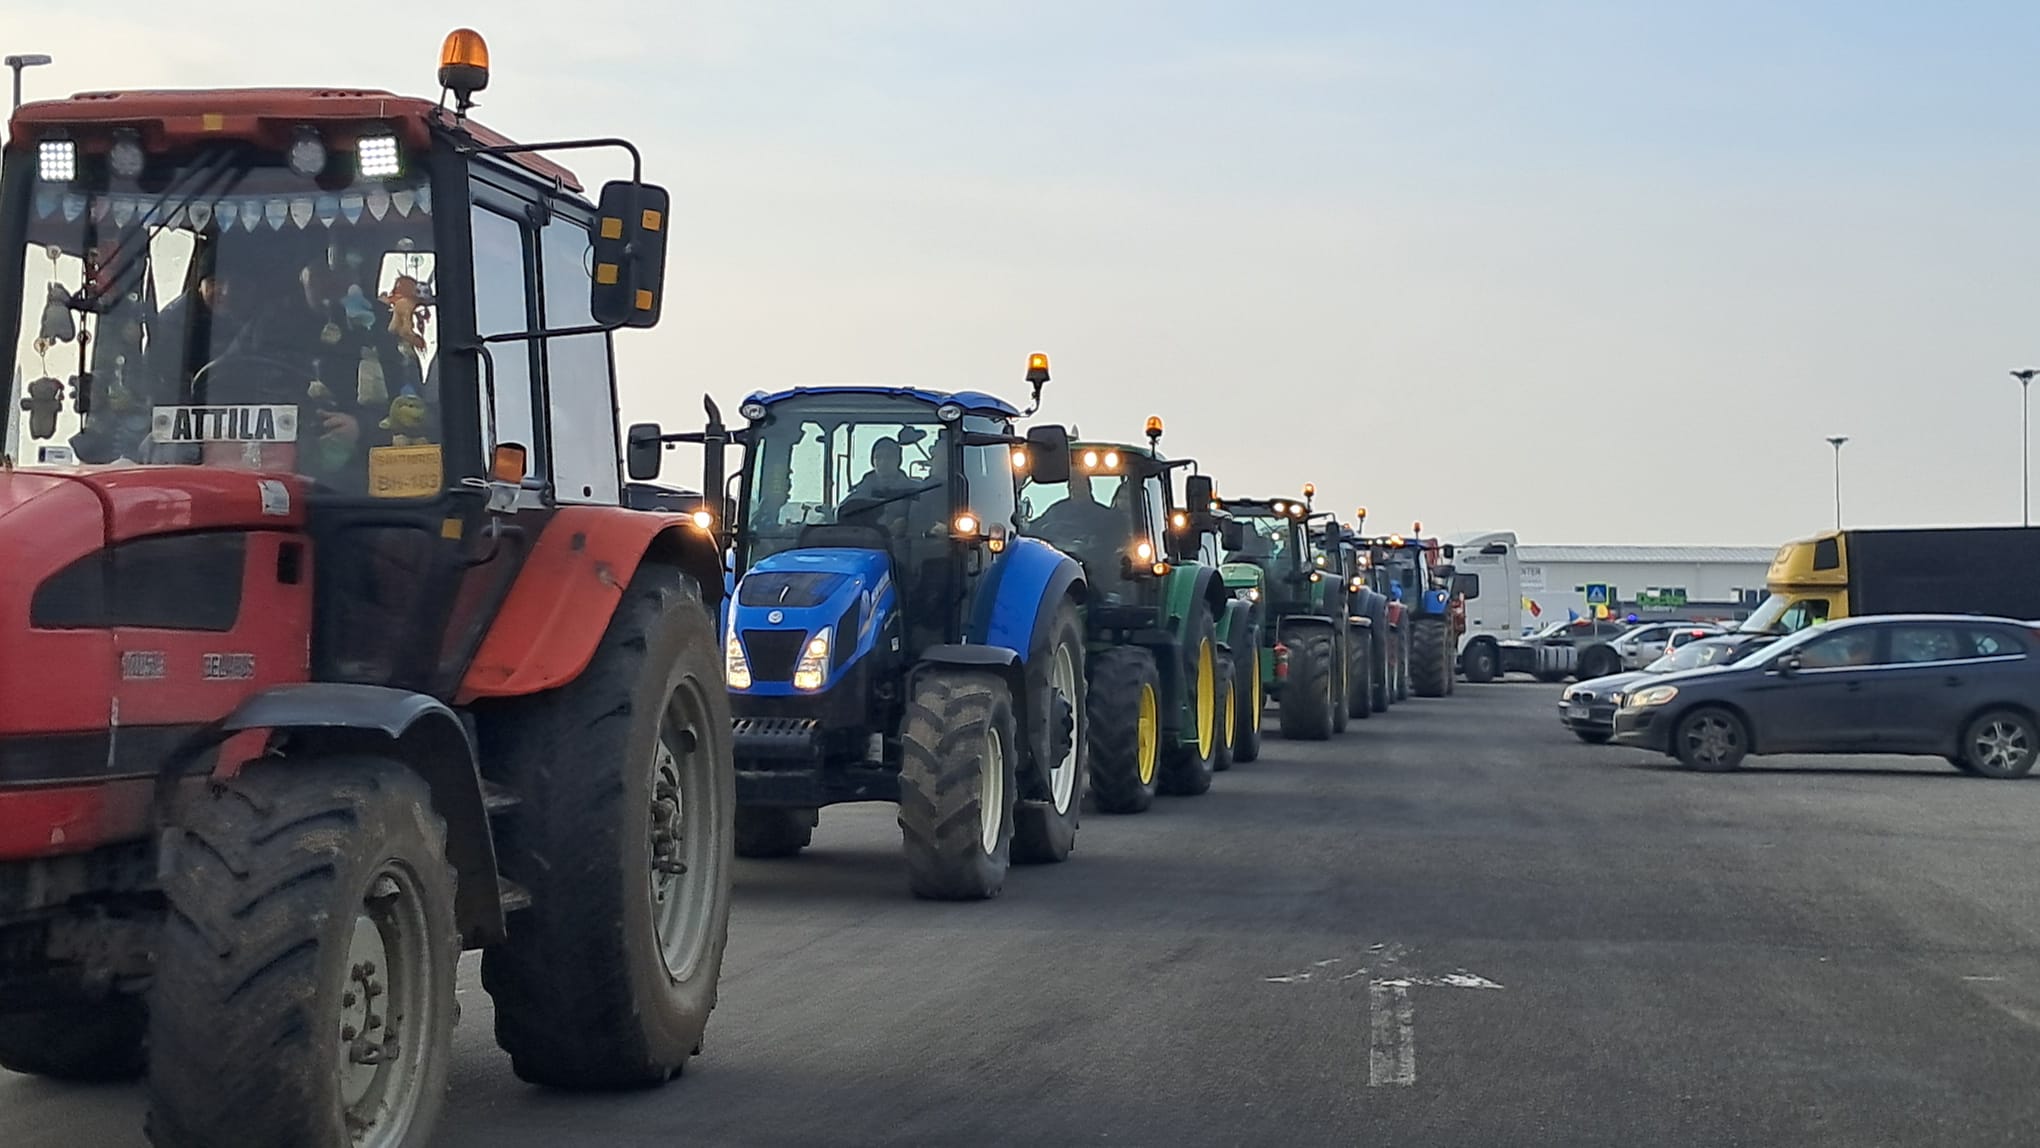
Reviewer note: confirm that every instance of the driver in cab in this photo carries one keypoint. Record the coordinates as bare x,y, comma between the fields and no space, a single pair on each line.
885,478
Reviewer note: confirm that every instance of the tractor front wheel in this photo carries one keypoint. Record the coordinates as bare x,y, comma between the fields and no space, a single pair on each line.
1307,692
958,785
1248,698
1188,766
1360,675
766,832
304,987
1381,688
624,838
83,1043
1125,710
1430,659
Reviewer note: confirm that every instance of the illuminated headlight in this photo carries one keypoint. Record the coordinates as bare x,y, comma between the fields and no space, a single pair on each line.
735,668
1019,459
949,412
1111,460
1315,576
1179,520
703,520
1090,460
308,154
813,668
1320,560
57,161
1654,696
1253,593
126,158
1143,550
379,157
752,410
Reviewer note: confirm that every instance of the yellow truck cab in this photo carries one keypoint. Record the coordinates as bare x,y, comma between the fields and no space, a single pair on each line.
1947,570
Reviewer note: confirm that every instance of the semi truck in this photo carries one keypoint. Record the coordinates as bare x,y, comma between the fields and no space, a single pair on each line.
1848,573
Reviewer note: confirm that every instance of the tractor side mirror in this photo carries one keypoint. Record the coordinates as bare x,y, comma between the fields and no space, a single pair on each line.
1233,533
1197,494
1447,550
643,445
1048,453
629,255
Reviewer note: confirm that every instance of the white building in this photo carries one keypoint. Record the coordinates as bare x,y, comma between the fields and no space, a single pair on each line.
1650,581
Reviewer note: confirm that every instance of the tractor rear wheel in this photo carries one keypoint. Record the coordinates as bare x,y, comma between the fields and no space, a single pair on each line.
1248,699
1191,760
624,838
1125,710
304,988
960,754
1402,664
1307,692
1381,688
1360,679
1342,681
1430,658
1045,829
765,831
1228,717
85,1043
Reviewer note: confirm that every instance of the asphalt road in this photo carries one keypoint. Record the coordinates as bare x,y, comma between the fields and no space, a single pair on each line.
1454,925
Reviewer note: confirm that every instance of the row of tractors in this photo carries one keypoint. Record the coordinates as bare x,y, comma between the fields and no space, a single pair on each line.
314,677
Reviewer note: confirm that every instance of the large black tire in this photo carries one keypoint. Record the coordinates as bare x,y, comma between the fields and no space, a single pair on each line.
765,831
1307,692
1599,662
1480,663
1342,681
1045,828
90,1043
1125,706
2000,744
1360,675
1402,663
624,838
1187,767
1430,658
1248,699
277,883
1381,688
1711,739
959,762
1228,716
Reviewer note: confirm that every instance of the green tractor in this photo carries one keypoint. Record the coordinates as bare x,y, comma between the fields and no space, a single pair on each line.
1169,649
1316,654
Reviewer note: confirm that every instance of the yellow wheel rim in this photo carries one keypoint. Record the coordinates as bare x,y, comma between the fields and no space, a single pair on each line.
1232,703
1259,701
1207,696
1150,727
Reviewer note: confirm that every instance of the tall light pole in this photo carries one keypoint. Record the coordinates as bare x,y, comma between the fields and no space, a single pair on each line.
2025,378
1836,442
16,63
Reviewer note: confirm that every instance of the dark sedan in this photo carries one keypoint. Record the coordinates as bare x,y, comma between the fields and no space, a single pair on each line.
1954,686
1588,708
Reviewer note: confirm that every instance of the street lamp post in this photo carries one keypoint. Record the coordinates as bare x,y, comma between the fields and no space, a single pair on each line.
2025,378
1836,442
16,63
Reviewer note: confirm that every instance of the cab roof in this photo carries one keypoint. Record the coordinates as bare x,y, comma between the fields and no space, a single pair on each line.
976,402
268,116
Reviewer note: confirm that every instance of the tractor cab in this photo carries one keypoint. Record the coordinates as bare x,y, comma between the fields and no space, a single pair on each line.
1286,540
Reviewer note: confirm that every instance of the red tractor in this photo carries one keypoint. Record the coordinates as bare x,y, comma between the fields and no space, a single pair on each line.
328,646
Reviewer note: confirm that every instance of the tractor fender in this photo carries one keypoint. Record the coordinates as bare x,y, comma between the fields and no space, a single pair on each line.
1234,624
1435,603
1005,661
419,731
1020,595
546,632
1306,620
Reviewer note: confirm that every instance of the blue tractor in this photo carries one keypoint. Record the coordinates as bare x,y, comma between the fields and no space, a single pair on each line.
892,637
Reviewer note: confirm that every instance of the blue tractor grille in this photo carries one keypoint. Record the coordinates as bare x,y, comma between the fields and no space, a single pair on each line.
772,653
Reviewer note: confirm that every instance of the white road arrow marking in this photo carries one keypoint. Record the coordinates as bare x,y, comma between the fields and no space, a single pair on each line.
1391,1013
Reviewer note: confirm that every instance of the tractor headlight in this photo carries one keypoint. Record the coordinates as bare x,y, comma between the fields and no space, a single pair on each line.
736,669
1253,593
1654,696
812,671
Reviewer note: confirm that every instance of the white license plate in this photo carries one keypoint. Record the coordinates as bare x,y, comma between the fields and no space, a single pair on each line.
1576,711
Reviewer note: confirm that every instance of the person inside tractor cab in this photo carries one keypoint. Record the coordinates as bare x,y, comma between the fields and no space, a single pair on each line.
1080,520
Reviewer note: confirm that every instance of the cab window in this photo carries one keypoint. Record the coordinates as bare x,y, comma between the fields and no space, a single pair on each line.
577,372
1844,650
1802,614
988,470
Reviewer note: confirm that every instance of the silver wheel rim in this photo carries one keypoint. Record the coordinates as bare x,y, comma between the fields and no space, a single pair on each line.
1712,739
2001,745
388,1010
684,860
1062,777
992,790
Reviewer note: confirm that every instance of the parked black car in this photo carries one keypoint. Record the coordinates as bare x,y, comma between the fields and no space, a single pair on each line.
1956,686
1588,709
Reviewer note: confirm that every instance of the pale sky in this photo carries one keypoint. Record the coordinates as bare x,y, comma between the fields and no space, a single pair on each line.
1588,271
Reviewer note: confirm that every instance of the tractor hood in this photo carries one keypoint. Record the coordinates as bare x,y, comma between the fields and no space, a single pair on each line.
785,601
1240,575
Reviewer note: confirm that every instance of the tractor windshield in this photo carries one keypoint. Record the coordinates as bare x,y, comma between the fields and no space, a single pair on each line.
1104,517
851,458
1271,541
216,308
